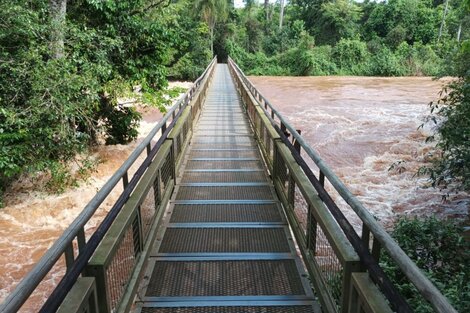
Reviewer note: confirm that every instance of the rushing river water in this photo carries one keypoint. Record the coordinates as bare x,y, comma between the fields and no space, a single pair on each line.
360,126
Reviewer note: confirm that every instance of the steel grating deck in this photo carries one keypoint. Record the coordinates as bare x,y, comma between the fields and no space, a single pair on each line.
225,245
228,309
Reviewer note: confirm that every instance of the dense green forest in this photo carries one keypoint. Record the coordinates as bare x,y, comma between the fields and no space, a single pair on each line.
64,64
343,37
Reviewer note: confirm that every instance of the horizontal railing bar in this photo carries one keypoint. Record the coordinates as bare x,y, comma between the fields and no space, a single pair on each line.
228,225
224,201
222,135
226,303
220,256
227,170
229,149
226,299
224,159
215,136
241,184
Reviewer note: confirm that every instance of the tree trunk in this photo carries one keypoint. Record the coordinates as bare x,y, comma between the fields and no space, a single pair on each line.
459,32
266,9
58,9
281,15
212,39
443,21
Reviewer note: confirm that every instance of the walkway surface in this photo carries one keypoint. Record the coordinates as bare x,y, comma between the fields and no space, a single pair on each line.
226,246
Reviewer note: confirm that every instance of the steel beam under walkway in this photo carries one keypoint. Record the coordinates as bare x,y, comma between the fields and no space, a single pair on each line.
225,245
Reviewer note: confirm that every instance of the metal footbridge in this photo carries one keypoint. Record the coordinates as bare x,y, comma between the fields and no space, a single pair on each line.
225,208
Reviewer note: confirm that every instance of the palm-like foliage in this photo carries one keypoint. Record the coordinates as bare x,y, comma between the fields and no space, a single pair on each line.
212,11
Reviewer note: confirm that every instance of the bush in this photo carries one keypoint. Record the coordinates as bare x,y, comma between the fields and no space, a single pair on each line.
121,122
260,64
323,64
385,63
429,64
351,56
396,36
438,248
187,69
299,62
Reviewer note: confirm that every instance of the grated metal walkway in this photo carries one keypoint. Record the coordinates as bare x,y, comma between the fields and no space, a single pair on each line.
225,245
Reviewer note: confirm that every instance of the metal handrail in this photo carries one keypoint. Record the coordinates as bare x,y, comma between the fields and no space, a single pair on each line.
408,267
28,284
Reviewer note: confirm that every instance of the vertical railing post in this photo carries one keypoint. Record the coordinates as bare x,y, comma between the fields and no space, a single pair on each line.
291,183
173,161
138,231
365,237
275,172
157,189
284,129
125,180
81,240
69,256
376,249
311,231
349,267
99,272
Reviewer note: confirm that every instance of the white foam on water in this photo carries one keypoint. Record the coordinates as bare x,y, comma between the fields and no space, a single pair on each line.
361,126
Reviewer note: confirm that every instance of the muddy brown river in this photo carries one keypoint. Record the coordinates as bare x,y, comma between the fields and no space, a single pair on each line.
359,125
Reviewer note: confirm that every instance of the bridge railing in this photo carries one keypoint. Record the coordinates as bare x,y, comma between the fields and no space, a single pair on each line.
344,267
128,229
